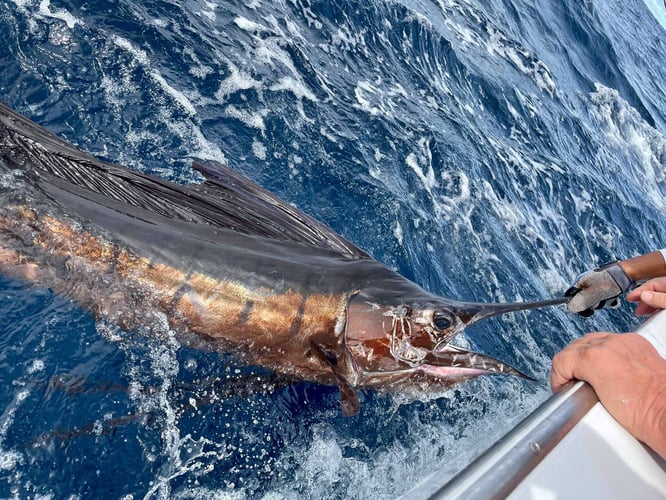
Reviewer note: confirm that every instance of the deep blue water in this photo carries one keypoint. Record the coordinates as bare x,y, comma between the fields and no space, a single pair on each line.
488,150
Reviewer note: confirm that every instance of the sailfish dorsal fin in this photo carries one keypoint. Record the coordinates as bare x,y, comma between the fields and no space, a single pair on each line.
250,209
226,200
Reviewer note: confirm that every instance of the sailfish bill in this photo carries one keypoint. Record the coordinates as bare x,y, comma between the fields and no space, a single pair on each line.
227,261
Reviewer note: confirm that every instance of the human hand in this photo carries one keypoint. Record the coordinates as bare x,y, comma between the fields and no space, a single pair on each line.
629,377
650,295
593,289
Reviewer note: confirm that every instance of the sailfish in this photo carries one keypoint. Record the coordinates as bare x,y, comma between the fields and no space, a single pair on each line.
226,262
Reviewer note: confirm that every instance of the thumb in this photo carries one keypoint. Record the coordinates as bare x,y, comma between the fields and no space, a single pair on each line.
654,299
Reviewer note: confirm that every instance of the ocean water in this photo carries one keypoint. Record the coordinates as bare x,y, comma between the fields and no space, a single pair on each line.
488,150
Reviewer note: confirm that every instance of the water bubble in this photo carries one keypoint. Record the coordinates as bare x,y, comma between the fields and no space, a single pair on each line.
190,364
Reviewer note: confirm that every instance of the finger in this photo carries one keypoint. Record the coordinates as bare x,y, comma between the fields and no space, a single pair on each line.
644,310
564,363
562,369
567,364
657,285
635,294
657,300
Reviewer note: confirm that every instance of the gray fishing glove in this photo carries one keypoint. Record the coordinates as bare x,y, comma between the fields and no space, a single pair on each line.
595,289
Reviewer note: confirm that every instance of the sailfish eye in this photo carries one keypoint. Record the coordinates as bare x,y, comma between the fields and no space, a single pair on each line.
441,322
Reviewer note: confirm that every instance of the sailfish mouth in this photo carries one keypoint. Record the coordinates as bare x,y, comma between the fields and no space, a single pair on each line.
447,360
387,342
453,361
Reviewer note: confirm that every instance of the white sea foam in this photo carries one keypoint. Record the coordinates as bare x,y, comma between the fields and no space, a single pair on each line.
112,91
198,69
259,149
459,191
247,25
118,90
142,58
523,60
376,98
362,91
209,11
9,459
322,464
137,137
552,278
160,23
328,134
44,12
36,366
253,120
527,102
61,14
201,493
583,202
641,147
237,80
270,52
507,211
398,233
494,42
200,147
450,195
432,450
347,39
422,165
296,87
375,171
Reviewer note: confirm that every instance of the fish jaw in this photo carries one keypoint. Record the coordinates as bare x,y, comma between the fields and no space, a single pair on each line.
453,361
398,346
439,370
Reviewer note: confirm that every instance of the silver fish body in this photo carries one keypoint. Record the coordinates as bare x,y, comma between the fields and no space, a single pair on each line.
226,261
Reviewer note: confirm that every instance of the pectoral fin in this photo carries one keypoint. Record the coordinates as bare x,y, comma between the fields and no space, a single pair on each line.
348,397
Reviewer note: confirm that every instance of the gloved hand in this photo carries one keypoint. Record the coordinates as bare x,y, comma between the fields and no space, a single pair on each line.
594,289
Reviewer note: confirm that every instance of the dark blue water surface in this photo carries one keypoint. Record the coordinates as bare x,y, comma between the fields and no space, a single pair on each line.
489,150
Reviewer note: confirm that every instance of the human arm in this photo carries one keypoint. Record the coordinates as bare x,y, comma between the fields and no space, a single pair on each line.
645,267
628,376
593,289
